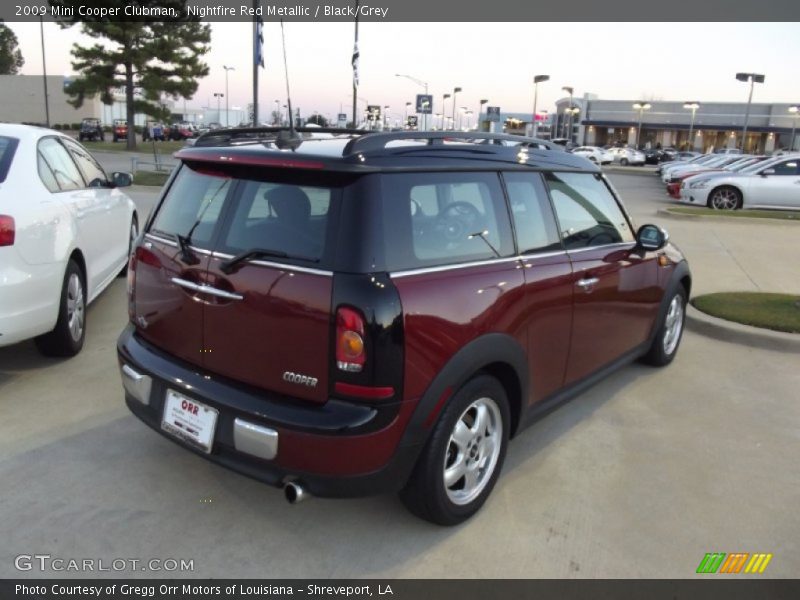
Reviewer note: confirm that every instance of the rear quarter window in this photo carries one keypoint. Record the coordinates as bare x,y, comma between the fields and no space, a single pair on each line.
433,219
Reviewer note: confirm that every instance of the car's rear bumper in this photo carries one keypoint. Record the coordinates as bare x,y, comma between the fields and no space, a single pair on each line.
337,449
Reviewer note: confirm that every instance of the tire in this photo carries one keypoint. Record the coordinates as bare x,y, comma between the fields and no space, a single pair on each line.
623,162
67,337
670,330
725,197
80,137
474,463
133,233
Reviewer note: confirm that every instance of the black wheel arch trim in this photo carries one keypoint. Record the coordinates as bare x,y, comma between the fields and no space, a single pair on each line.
476,356
678,274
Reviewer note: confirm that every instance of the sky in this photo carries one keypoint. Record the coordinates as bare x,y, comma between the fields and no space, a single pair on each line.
496,61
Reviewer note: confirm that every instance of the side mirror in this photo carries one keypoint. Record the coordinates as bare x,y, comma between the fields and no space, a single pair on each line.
120,179
766,172
651,237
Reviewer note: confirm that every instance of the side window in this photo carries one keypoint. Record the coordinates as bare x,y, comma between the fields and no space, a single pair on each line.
787,168
432,219
92,172
192,206
587,212
46,174
63,167
533,218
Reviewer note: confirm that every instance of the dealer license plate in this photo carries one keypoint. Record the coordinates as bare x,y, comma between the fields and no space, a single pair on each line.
190,420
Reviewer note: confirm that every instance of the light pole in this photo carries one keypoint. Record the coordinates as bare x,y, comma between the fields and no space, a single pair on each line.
227,114
693,106
480,113
641,107
277,118
424,85
753,78
455,91
570,91
217,95
571,111
444,97
537,79
795,110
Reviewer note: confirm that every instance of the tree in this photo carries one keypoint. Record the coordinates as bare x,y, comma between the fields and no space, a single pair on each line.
10,57
147,60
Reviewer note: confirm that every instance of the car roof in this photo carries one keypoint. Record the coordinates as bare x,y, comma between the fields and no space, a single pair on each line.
27,132
358,151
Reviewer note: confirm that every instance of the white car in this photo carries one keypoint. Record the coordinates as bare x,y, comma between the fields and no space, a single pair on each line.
773,183
720,161
65,234
626,156
595,154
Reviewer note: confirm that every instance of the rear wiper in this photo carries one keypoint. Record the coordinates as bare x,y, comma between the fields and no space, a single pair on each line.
229,266
189,257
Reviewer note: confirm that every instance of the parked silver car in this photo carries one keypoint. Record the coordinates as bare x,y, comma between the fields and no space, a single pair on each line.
771,183
627,156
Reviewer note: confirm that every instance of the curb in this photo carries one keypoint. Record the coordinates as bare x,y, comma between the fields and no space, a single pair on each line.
645,170
667,213
728,331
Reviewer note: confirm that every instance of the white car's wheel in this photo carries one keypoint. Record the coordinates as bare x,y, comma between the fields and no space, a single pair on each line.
68,335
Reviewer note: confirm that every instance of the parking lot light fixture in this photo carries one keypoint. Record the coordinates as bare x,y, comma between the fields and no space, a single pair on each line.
218,96
795,110
693,106
455,91
537,79
571,112
480,110
444,97
641,107
751,78
227,115
570,90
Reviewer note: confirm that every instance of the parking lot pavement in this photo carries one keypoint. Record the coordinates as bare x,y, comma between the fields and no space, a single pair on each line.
638,477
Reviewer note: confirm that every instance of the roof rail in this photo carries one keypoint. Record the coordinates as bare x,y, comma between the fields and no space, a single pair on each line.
223,137
378,140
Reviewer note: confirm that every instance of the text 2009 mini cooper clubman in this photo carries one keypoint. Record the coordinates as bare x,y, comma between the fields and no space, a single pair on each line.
382,312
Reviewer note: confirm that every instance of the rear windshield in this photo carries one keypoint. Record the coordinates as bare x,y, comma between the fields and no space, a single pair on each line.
8,146
234,215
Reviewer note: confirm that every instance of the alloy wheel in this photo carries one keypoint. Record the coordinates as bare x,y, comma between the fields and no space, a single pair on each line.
473,451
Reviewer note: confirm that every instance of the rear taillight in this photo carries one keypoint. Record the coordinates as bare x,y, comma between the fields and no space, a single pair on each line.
350,352
7,230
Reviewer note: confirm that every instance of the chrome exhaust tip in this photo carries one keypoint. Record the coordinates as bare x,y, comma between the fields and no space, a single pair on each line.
294,493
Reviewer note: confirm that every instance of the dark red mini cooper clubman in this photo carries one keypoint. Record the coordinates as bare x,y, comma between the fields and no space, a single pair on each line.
381,312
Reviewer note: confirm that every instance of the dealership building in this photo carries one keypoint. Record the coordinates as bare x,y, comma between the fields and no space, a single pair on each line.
22,101
713,125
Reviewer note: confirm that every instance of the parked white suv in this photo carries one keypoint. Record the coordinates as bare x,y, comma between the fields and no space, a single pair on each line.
65,234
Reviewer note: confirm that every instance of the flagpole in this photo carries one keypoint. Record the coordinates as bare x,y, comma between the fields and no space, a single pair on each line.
355,71
255,65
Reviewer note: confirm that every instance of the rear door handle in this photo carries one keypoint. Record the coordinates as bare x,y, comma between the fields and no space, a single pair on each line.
206,289
586,284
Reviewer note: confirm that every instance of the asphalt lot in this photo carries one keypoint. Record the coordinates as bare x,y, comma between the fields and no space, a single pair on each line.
638,477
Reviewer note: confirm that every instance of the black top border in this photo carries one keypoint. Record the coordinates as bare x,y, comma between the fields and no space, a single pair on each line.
441,11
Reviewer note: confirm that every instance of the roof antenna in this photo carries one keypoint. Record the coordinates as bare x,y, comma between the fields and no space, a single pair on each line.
287,139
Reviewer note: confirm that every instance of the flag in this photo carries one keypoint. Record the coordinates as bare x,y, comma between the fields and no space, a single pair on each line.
355,65
258,43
